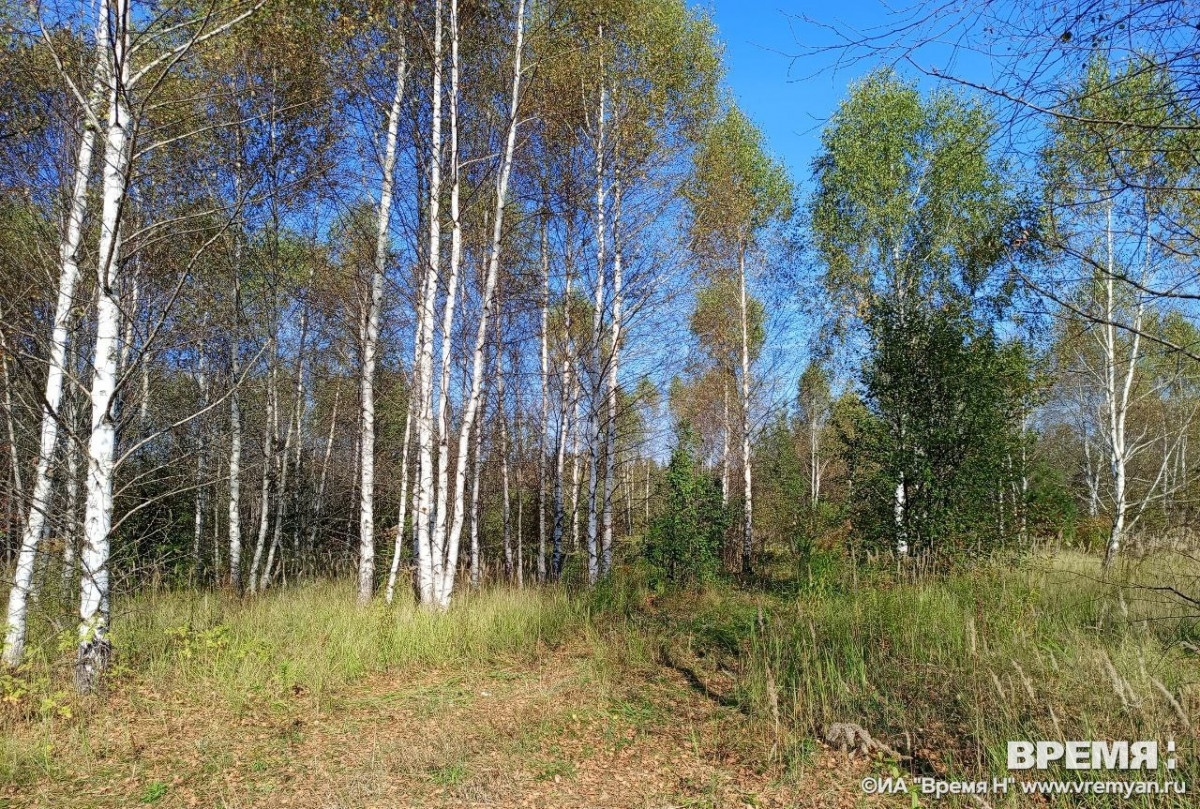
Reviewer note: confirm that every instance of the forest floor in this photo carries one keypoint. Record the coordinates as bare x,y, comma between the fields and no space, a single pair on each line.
627,696
551,730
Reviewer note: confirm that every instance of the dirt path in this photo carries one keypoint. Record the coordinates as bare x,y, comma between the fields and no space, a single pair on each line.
559,732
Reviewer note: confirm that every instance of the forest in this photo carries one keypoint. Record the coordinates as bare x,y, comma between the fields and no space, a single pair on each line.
461,403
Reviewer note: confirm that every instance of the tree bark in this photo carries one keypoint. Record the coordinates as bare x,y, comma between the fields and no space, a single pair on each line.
14,639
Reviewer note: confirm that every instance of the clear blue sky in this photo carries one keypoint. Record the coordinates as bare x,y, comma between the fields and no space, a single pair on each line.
791,99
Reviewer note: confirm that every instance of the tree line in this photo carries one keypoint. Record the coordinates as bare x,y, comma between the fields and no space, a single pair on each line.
414,292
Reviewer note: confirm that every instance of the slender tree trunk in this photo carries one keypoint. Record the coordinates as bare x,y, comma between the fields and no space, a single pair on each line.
72,237
1118,385
403,518
438,541
505,511
725,430
596,436
610,432
424,340
198,501
445,585
268,463
519,539
476,465
747,471
366,507
319,508
95,648
564,427
544,418
235,424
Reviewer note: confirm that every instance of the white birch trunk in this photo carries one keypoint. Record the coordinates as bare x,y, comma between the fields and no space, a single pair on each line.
610,451
502,418
366,510
438,541
390,593
423,491
747,469
445,584
564,424
268,456
595,438
544,419
1118,386
95,649
14,639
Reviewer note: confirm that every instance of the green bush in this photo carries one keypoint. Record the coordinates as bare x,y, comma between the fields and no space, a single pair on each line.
684,542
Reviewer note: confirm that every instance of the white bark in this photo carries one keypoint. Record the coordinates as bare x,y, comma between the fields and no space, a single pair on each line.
198,501
725,442
476,568
423,491
94,646
564,417
595,438
268,456
1118,385
544,419
366,514
445,584
747,469
319,509
505,512
14,639
610,451
438,540
390,593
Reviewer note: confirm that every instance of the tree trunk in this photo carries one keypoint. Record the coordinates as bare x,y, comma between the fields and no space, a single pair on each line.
595,438
366,510
445,584
544,417
14,640
747,472
95,648
403,518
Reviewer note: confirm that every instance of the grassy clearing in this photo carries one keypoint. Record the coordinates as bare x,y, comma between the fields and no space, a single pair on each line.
944,670
947,671
309,640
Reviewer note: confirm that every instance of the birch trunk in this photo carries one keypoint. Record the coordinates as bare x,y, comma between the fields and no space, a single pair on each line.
438,541
502,418
318,510
14,640
476,465
366,510
423,491
564,428
198,502
610,451
1118,386
268,459
445,584
544,419
95,649
747,471
390,593
293,430
235,426
595,438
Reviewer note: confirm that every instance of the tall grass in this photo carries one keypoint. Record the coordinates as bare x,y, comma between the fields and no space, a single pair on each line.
949,670
312,636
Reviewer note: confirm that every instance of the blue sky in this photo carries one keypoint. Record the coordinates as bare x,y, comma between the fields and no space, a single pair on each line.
792,98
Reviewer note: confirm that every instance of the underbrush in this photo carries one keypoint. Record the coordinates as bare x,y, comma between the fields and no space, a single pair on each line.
947,670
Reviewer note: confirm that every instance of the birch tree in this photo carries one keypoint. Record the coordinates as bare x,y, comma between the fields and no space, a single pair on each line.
737,191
